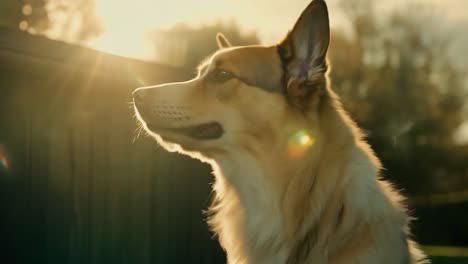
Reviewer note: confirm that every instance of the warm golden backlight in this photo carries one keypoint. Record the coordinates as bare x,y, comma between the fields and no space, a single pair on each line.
126,21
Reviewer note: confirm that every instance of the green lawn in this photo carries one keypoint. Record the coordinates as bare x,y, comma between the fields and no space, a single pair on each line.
449,260
441,254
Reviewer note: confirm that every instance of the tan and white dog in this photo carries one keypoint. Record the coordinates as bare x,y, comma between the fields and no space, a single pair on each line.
295,182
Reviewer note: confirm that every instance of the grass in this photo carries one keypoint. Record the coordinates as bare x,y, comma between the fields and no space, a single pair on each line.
449,260
447,255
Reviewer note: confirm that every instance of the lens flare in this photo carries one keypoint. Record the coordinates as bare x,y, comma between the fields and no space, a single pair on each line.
4,163
135,76
299,143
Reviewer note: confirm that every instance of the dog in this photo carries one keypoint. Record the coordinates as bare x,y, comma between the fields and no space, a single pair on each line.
295,180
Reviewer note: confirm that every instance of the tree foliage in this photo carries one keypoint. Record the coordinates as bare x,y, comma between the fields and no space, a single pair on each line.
397,80
69,20
187,46
33,13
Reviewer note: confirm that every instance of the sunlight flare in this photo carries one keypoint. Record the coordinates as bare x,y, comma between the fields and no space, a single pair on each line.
4,162
135,76
299,143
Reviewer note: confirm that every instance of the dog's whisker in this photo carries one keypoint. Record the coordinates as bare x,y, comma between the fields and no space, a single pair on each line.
141,129
138,131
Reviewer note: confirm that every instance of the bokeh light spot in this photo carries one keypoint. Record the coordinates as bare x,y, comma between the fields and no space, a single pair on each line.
27,10
23,25
299,143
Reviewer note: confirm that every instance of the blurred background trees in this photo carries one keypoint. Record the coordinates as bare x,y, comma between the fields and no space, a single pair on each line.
185,46
14,13
71,21
396,78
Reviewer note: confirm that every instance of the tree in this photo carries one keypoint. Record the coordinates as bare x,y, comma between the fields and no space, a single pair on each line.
186,46
32,14
69,20
397,80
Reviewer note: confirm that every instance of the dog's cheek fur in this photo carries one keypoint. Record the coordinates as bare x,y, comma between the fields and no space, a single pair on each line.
228,92
264,115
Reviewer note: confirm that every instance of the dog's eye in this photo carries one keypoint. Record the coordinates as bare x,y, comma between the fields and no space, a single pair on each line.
221,75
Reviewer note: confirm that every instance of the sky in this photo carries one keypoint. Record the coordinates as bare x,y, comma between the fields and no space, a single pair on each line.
126,21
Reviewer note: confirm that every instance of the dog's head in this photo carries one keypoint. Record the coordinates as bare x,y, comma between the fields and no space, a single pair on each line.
254,98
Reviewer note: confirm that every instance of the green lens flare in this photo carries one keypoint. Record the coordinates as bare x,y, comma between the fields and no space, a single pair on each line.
299,143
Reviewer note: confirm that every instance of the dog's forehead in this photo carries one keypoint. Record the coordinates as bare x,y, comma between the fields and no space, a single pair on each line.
247,57
259,66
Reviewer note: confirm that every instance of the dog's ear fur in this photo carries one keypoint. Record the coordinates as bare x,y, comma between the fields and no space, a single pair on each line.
222,41
303,53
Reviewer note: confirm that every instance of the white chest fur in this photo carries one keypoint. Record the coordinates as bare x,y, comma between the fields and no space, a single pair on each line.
248,218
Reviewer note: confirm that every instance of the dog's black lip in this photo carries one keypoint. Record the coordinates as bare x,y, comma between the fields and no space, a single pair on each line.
205,131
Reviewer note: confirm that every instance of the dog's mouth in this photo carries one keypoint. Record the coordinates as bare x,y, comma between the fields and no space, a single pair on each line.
206,131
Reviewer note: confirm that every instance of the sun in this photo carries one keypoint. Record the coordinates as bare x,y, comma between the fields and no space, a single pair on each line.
126,22
124,30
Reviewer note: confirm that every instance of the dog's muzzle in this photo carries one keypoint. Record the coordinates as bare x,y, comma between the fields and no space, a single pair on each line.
172,119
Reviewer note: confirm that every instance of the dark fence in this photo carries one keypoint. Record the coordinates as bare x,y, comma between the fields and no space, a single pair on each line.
75,187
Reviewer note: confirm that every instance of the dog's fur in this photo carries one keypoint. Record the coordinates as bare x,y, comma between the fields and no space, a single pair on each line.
278,200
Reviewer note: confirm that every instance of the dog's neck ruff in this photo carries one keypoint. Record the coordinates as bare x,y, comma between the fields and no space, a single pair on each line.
246,213
260,212
266,214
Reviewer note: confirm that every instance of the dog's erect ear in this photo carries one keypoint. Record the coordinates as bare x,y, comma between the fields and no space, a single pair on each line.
303,52
223,42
